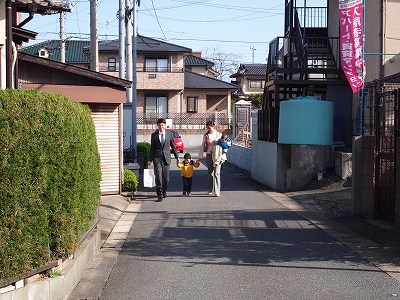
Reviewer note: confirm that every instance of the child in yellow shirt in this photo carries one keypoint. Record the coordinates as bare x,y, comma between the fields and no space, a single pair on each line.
187,173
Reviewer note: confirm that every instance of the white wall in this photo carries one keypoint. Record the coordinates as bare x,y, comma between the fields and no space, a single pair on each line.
264,158
240,156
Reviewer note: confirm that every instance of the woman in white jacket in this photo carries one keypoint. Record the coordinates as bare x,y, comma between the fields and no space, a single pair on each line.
210,138
218,158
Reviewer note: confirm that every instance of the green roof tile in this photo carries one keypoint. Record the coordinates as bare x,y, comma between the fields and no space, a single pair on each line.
192,60
73,50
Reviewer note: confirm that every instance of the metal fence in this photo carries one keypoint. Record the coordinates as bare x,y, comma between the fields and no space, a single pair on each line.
381,122
184,118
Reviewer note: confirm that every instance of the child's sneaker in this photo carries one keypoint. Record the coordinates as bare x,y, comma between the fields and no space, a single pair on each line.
189,194
184,194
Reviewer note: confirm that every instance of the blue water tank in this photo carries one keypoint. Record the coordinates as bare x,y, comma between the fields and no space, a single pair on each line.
306,121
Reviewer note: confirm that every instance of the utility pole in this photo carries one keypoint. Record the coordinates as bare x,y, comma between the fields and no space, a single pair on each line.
134,56
94,45
62,37
253,48
9,45
128,26
121,39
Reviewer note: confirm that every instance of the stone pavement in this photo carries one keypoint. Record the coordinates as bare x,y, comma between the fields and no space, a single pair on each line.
118,214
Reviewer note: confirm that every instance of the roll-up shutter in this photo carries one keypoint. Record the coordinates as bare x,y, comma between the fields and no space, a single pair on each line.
106,121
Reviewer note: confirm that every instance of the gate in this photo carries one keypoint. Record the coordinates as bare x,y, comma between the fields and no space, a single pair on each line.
383,116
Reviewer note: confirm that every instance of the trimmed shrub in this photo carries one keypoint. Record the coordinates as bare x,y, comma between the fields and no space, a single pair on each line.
49,178
144,147
130,181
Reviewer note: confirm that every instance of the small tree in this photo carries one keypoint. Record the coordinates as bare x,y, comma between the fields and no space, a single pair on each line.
256,100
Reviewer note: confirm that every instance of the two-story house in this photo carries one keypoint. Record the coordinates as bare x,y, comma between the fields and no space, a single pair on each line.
250,78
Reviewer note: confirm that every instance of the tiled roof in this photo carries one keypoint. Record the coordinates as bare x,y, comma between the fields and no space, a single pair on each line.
73,50
198,81
42,5
93,78
144,44
192,60
251,69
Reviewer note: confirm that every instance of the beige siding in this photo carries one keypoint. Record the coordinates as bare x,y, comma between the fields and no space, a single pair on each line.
106,120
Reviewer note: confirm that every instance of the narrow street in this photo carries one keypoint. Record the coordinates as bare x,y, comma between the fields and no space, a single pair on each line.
242,245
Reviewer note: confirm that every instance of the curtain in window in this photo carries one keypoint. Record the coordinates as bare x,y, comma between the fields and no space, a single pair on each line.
156,65
151,104
157,105
162,65
151,65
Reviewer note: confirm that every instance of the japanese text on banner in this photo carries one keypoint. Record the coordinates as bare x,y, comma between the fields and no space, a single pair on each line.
351,42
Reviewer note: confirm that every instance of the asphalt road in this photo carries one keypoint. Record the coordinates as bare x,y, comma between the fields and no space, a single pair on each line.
242,245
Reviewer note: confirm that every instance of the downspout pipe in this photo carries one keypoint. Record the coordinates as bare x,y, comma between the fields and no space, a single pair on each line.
383,34
20,25
9,46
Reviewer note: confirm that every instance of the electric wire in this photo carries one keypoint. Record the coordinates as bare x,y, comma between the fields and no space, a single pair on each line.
158,21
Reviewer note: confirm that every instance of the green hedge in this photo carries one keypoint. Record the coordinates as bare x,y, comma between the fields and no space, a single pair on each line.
49,178
144,147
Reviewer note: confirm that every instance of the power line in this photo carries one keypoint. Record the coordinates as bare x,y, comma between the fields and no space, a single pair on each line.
155,12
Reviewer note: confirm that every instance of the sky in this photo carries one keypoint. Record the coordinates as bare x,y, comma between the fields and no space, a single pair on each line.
242,28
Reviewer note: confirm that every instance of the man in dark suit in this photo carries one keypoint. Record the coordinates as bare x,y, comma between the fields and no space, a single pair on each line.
160,156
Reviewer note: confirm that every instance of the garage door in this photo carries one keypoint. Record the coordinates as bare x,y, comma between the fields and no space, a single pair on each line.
106,121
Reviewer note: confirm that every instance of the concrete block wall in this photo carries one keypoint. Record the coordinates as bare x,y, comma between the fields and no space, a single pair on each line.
60,288
240,156
368,179
343,164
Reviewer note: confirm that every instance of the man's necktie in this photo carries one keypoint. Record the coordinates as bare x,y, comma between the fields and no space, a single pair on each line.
162,139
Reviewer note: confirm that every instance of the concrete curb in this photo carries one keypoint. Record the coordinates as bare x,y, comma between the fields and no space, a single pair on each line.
97,272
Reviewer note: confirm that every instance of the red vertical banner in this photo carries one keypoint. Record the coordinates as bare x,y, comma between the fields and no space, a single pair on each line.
351,42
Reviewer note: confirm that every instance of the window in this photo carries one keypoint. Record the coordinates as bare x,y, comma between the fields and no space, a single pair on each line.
192,104
255,84
112,64
156,104
156,65
43,53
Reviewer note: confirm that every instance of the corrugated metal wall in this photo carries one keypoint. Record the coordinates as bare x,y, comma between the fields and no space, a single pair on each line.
106,118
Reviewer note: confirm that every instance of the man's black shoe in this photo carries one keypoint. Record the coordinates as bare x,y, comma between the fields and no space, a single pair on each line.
164,195
159,199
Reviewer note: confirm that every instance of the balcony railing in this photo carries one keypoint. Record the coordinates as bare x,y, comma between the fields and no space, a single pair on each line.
313,17
318,53
158,69
184,118
106,69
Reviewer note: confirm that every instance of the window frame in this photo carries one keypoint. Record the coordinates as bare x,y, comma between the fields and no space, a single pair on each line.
156,62
112,64
253,81
195,104
158,105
